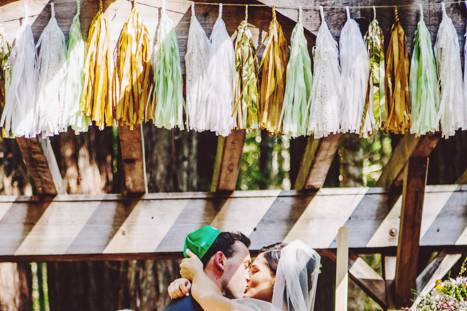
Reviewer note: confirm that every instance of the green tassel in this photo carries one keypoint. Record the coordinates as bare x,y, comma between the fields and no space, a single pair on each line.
296,109
424,87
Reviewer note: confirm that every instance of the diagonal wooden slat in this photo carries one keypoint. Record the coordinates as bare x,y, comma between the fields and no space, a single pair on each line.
408,248
111,226
133,159
316,161
41,164
462,180
227,163
365,277
435,270
409,146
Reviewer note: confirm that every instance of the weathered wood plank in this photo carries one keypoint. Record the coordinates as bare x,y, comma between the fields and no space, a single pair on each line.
317,160
227,163
134,166
409,145
342,269
435,270
364,276
41,164
101,226
410,226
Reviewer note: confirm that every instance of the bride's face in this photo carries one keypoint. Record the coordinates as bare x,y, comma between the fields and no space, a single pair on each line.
261,281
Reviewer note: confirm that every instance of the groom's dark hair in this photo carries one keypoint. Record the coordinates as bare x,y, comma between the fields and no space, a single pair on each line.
224,243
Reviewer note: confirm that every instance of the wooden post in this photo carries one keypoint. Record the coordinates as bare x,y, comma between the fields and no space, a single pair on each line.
134,166
227,164
317,160
342,274
409,233
39,158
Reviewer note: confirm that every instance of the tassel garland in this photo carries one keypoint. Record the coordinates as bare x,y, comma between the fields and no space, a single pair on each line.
326,89
167,76
355,68
296,110
424,87
246,91
50,66
132,79
196,62
96,99
450,76
273,67
397,84
220,79
19,115
75,54
374,112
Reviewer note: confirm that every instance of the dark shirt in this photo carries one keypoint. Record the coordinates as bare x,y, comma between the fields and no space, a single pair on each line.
185,303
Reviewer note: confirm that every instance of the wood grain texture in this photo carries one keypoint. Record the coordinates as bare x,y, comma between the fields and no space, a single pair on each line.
133,162
227,163
408,248
78,227
409,145
316,161
41,164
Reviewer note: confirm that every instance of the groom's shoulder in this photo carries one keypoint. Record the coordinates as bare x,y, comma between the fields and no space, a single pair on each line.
185,303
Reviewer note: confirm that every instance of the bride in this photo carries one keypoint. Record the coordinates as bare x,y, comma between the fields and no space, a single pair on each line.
283,277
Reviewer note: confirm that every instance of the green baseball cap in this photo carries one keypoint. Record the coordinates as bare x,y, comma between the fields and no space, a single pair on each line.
199,241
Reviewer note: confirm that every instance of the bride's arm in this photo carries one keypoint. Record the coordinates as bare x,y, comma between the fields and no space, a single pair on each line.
204,290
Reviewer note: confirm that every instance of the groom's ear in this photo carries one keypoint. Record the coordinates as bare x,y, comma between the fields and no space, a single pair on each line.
219,260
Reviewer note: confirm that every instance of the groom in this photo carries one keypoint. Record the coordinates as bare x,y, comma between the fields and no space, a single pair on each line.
225,258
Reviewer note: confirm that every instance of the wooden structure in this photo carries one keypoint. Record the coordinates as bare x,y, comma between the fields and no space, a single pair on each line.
398,220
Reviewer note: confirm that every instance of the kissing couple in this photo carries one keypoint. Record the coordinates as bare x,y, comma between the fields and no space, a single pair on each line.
218,274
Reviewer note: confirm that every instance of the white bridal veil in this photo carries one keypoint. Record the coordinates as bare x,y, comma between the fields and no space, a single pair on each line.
296,281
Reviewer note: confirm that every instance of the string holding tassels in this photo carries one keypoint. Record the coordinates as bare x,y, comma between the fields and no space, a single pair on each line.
374,12
246,13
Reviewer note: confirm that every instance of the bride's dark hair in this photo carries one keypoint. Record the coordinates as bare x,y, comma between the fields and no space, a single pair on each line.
272,254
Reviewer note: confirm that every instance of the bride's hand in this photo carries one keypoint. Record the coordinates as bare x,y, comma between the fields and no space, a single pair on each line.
179,288
191,266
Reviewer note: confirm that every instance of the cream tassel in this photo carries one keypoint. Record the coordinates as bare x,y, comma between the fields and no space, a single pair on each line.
19,116
51,69
355,68
450,76
326,89
196,62
220,77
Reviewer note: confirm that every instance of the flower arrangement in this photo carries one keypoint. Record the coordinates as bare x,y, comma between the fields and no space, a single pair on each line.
447,295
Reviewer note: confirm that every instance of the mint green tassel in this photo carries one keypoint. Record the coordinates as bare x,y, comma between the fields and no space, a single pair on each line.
424,87
167,77
296,109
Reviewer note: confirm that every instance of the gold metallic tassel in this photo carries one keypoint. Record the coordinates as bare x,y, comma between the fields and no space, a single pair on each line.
132,79
97,99
397,84
273,64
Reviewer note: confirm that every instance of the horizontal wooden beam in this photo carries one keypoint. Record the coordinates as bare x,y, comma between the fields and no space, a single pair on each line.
227,163
78,227
133,164
41,164
316,161
410,145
